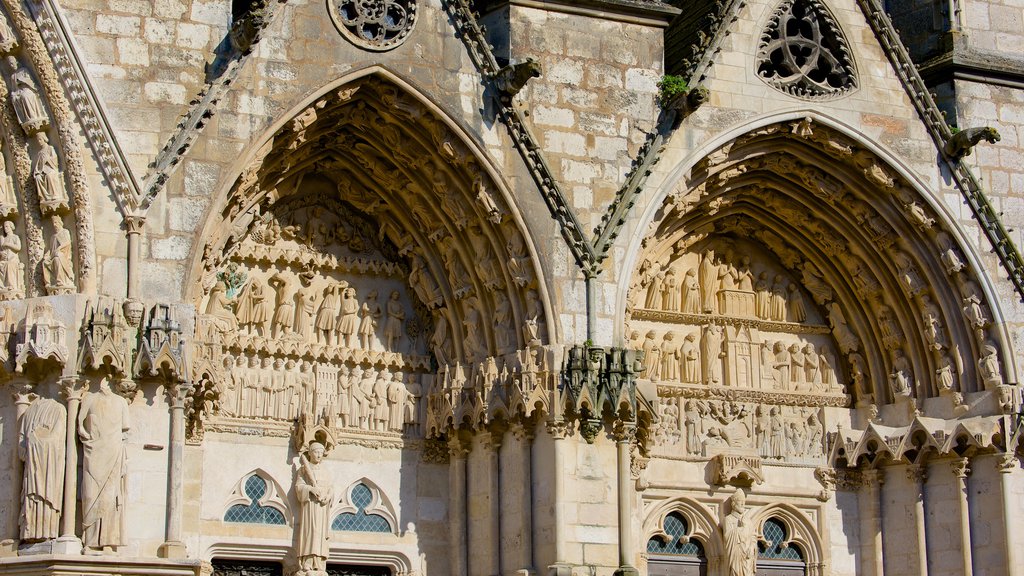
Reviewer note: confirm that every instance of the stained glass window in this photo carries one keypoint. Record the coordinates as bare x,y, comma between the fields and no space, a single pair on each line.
360,521
253,513
775,532
678,543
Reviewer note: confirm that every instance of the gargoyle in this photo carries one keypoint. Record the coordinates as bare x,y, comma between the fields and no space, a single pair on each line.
961,143
511,79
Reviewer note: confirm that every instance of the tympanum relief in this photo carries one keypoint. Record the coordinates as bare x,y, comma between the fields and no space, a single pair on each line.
314,316
740,352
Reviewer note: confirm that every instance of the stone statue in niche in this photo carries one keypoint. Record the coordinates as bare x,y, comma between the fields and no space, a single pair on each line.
380,401
670,356
944,376
797,312
25,99
316,496
949,257
102,426
439,340
475,345
908,273
670,291
973,308
652,355
531,329
653,276
691,293
219,307
396,400
284,306
518,262
778,297
708,279
53,197
782,366
42,440
988,365
252,308
934,331
8,201
691,359
394,322
306,300
58,271
901,380
739,537
502,321
11,269
370,316
487,202
423,284
763,297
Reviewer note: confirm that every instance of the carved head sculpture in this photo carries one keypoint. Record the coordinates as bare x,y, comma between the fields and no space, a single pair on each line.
691,337
395,295
58,224
315,453
738,502
8,227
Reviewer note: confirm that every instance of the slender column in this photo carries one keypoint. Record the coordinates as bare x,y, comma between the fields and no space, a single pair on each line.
73,388
918,473
23,396
627,551
871,522
525,437
492,444
558,430
457,507
133,226
173,547
1007,464
960,470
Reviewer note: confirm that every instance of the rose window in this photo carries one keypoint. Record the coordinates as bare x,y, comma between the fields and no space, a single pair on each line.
374,24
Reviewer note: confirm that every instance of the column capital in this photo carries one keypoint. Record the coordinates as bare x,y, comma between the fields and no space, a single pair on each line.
917,473
558,429
1007,462
623,431
457,449
178,393
73,388
960,467
133,223
873,477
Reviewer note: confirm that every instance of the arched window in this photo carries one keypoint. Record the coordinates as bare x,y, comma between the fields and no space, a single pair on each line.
775,555
253,512
677,553
360,521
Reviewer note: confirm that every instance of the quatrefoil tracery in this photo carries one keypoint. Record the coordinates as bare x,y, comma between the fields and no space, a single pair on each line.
374,24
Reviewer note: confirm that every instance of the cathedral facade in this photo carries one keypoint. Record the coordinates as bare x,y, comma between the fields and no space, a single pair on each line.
511,287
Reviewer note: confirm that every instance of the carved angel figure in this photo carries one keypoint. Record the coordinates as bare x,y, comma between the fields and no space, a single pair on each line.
58,272
41,446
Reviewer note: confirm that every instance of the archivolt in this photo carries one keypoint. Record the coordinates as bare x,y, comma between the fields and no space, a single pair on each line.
874,255
397,163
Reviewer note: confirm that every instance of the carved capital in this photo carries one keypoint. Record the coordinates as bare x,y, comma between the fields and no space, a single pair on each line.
72,388
23,393
558,429
960,467
457,449
1007,462
917,473
848,480
521,432
624,431
133,224
177,394
873,477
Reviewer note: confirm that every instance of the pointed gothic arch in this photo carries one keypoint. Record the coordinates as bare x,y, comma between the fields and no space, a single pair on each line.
365,235
828,206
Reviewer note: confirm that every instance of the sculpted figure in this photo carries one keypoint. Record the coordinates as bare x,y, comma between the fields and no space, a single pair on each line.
25,100
782,381
344,397
812,367
847,340
348,326
306,299
219,307
396,401
102,425
944,375
369,402
394,322
711,354
670,359
744,277
950,259
797,311
691,419
763,297
356,398
371,313
8,203
739,538
41,445
380,398
777,433
284,305
58,271
315,495
934,332
327,315
778,308
423,284
10,262
475,345
988,364
691,293
796,364
502,321
252,308
46,172
532,328
691,359
670,291
901,379
767,365
707,276
652,355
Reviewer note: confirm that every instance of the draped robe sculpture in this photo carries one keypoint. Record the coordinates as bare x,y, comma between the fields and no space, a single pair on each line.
102,424
315,495
41,446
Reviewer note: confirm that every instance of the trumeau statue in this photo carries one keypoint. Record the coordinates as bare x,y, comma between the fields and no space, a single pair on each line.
316,496
740,539
102,425
41,445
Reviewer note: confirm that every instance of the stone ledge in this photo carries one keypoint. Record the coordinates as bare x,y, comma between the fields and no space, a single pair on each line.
643,12
61,565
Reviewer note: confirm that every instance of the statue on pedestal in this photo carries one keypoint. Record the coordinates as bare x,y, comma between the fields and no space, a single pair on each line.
41,446
316,495
102,425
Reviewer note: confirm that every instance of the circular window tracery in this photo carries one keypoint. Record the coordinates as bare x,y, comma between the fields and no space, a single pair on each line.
374,24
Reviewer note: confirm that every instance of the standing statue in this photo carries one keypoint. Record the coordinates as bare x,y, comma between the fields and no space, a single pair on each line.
691,293
708,278
315,495
58,271
10,262
284,305
711,354
740,540
252,308
42,438
25,100
393,324
371,314
348,325
102,425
